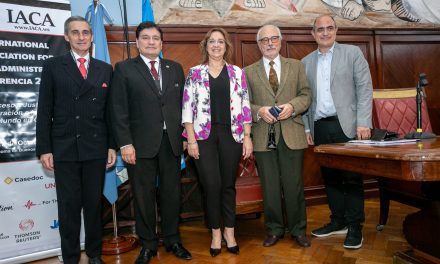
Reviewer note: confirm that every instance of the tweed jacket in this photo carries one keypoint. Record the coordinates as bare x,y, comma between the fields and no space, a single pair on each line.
196,102
293,89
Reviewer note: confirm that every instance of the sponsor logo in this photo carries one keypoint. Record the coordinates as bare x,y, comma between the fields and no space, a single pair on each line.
29,204
55,224
28,179
30,18
50,185
26,237
8,180
4,208
26,224
3,236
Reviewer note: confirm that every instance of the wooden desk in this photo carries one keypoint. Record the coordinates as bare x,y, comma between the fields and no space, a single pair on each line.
411,162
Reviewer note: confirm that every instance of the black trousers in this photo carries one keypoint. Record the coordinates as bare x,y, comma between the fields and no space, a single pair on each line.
79,186
345,190
143,177
217,167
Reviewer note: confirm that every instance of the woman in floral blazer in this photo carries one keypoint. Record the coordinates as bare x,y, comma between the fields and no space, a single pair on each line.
217,119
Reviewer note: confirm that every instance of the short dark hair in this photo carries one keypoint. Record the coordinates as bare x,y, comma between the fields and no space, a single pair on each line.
73,19
148,24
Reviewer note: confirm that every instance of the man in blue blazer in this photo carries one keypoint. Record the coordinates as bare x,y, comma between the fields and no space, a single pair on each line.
73,138
341,110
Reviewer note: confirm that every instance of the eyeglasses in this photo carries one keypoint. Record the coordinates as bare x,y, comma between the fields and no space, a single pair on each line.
218,41
273,39
329,29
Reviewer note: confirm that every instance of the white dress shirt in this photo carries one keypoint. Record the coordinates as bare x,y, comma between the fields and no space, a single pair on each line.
276,66
325,106
157,66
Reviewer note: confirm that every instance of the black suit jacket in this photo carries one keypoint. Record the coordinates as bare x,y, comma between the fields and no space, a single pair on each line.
72,123
139,109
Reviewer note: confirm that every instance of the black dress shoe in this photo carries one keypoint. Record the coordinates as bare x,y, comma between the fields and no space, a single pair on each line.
302,240
96,260
234,250
179,251
215,251
271,240
145,256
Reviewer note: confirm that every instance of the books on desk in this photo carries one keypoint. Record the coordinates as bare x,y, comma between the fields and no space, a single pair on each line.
383,142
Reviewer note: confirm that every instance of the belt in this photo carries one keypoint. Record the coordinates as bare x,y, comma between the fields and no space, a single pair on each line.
329,118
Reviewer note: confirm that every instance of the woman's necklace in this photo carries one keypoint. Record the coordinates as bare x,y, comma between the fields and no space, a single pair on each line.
215,70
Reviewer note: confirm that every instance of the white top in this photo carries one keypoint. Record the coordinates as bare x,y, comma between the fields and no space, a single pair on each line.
325,106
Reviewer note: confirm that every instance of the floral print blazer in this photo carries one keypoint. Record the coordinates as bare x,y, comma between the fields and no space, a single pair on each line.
197,104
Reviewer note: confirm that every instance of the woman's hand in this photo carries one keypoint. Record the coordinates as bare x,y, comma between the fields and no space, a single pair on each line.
247,147
193,150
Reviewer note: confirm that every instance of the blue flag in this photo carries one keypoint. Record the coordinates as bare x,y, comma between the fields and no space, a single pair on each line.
96,16
113,180
147,11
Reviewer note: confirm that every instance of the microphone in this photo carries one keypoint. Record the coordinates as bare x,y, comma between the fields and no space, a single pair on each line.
419,134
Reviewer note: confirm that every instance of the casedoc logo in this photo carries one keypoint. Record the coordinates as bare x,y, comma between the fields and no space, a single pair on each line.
8,180
26,224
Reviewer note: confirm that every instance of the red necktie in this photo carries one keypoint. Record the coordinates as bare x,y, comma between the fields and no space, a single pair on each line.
82,67
154,71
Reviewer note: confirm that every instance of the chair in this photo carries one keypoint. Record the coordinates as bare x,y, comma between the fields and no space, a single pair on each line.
249,196
395,110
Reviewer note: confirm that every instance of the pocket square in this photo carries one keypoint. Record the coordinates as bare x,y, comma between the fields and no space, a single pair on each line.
104,85
176,85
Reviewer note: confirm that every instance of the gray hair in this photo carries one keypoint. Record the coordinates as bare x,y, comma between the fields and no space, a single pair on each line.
73,19
277,28
314,22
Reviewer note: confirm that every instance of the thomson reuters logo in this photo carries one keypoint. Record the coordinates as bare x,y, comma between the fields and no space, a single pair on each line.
26,224
8,180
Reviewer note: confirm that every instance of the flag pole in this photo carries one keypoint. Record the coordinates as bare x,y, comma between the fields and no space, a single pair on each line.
115,220
127,40
117,244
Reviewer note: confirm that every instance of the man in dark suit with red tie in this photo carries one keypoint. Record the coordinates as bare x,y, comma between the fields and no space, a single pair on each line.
73,138
146,117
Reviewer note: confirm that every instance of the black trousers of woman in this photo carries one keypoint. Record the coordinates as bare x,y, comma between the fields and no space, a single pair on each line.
217,167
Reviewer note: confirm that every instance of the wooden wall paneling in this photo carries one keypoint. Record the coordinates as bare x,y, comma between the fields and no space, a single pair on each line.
118,51
298,43
402,56
395,59
247,50
183,46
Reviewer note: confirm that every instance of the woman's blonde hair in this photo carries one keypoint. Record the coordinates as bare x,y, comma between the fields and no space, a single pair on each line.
228,52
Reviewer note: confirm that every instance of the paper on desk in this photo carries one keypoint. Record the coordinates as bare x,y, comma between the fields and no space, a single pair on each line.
383,143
